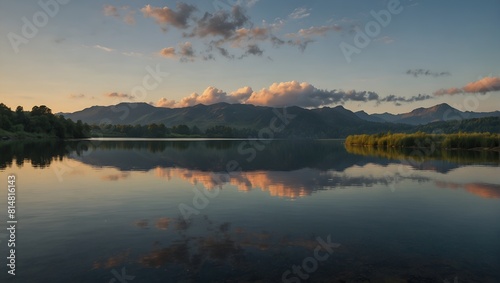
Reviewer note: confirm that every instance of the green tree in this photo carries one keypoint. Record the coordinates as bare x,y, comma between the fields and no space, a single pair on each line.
181,130
6,116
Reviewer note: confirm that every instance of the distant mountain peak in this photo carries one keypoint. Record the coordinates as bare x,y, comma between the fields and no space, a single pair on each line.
441,107
421,115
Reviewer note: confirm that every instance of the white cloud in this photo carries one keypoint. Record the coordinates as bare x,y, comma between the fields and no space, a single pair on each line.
300,13
283,94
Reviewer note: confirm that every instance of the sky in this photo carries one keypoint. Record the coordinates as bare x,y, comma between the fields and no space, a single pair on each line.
372,55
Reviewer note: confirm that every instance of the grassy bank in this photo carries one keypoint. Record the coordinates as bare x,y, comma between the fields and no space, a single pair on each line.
445,141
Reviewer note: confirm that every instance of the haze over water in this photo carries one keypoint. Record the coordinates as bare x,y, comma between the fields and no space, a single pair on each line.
90,210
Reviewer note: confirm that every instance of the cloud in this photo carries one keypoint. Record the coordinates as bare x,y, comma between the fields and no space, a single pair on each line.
484,85
110,10
251,3
130,18
282,94
168,52
231,29
303,37
385,39
221,23
305,95
107,49
211,95
167,16
253,49
77,96
399,99
421,72
449,91
164,102
119,95
299,13
185,52
132,54
243,38
111,50
113,11
300,43
224,52
249,35
318,31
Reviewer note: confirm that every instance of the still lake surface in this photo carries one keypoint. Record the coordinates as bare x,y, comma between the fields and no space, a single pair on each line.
237,211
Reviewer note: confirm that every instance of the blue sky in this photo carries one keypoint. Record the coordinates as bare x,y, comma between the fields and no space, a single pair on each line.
99,52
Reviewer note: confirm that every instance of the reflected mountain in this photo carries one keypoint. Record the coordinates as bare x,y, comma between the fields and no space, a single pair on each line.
285,184
278,155
214,156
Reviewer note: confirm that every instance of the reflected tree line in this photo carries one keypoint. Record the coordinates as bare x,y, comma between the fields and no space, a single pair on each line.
428,154
278,155
38,153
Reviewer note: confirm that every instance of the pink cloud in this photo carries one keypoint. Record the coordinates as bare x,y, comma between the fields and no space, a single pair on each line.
484,85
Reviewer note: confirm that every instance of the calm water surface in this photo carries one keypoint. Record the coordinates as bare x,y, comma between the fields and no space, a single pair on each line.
234,211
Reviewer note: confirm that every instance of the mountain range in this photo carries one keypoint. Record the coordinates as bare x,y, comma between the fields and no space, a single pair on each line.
422,116
321,122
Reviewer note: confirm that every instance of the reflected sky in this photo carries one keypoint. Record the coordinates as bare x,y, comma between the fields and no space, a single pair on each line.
89,209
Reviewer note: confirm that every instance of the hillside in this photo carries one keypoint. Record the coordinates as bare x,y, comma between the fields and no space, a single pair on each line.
322,122
326,122
422,116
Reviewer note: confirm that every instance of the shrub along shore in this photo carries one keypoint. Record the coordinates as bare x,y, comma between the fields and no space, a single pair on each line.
422,140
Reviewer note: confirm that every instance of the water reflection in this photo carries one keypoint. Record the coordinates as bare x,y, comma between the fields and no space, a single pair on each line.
214,252
214,155
287,169
38,153
398,218
287,184
201,155
416,156
479,189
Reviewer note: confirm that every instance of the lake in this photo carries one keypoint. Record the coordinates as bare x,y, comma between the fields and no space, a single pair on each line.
250,211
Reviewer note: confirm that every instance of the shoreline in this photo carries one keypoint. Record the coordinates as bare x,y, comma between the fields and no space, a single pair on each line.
424,147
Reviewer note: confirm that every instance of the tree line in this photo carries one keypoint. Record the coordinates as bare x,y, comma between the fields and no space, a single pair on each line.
161,131
419,139
40,122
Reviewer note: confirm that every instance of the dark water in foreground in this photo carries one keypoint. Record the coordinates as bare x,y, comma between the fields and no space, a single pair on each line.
224,211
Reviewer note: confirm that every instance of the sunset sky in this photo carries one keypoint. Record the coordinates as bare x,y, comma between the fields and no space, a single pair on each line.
70,55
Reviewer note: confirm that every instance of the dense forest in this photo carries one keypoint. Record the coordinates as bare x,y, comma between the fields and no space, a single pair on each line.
40,122
475,125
